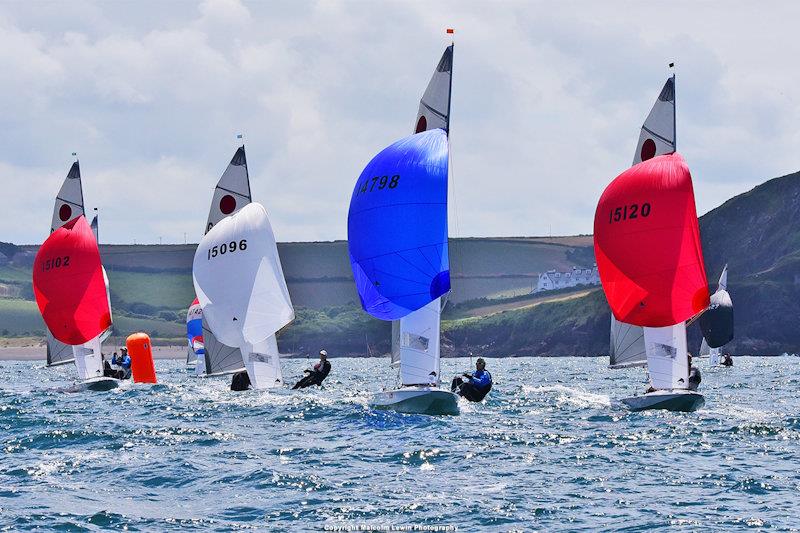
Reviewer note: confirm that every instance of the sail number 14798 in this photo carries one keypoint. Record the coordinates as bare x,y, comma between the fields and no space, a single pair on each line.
227,247
628,212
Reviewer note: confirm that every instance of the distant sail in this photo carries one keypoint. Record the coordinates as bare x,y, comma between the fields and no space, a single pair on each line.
717,322
232,191
95,229
69,286
194,334
434,107
239,282
658,131
647,245
397,227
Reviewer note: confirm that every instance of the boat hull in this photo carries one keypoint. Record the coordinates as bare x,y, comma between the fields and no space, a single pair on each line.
417,400
670,400
101,384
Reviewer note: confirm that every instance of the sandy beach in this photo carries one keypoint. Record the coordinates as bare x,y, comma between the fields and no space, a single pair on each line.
34,353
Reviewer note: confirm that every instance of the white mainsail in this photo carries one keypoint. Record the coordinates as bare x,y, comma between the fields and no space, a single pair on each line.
240,284
657,137
415,338
231,194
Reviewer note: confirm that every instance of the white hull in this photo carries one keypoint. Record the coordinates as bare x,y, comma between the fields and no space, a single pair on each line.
671,400
417,400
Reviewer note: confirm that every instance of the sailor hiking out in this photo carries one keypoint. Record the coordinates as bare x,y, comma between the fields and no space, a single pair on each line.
474,387
316,375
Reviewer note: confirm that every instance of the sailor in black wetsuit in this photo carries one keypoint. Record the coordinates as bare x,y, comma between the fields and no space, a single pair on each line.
694,375
474,387
316,375
727,360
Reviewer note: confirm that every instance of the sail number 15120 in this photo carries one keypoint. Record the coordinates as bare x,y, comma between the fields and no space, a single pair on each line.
628,212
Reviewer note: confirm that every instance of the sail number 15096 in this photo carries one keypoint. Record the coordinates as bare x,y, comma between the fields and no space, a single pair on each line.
628,212
227,247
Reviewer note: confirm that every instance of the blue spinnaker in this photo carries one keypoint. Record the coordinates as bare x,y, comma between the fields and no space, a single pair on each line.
397,227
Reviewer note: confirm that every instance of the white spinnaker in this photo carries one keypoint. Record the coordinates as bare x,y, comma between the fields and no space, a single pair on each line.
68,205
418,345
667,362
657,137
434,107
232,192
238,279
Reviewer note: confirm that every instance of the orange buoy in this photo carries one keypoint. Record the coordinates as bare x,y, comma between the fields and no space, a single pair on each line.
140,349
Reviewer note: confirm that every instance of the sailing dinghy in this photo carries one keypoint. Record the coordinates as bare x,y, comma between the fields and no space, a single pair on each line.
69,284
397,237
647,246
231,194
86,355
239,282
717,322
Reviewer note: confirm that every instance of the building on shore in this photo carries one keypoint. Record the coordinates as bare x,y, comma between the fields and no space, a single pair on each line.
552,280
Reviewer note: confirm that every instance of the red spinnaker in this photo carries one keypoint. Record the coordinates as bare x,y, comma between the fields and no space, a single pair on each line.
68,284
647,244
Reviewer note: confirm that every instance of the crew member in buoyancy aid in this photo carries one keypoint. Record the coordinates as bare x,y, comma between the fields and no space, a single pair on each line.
694,375
474,387
317,374
123,364
240,381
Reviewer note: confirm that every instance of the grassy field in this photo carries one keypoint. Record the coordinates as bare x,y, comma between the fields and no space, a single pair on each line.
18,317
163,290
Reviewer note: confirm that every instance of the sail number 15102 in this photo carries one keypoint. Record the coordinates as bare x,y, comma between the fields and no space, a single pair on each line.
628,212
227,247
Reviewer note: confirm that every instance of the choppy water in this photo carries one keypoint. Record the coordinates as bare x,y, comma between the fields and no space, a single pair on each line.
550,450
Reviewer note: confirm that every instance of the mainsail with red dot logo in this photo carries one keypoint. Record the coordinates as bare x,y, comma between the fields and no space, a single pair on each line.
434,106
232,191
647,245
69,285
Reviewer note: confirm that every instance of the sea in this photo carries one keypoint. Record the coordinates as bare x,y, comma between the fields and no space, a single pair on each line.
551,449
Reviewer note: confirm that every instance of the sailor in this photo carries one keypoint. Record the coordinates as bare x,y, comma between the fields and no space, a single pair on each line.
107,370
694,374
433,379
316,375
727,360
123,361
474,387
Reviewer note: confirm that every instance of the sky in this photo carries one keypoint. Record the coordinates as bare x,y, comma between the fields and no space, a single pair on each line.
548,99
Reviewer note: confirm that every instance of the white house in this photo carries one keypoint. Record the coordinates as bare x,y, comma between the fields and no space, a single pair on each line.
552,280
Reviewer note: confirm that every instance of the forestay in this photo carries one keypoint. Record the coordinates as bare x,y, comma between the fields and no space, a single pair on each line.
397,227
239,282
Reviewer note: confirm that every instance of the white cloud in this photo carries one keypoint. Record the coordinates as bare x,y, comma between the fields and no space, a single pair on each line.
548,99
